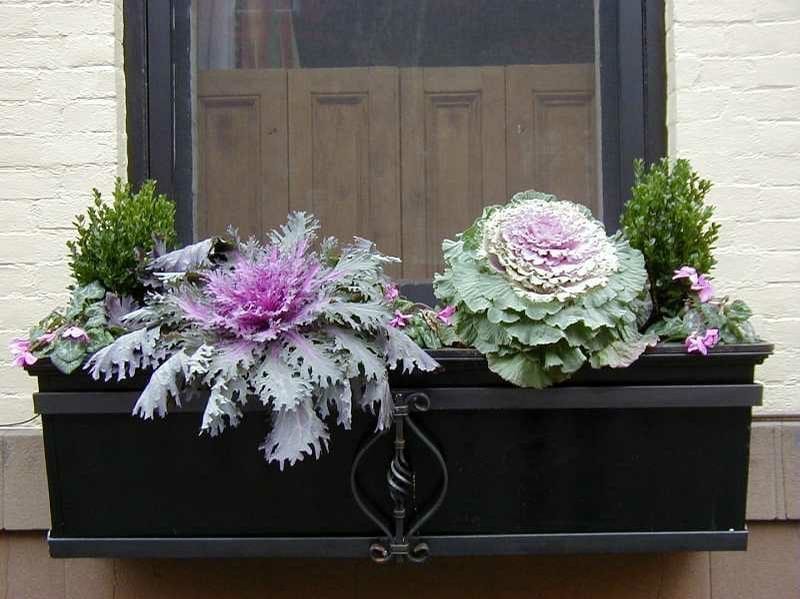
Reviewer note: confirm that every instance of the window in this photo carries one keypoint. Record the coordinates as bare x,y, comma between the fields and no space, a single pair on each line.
396,120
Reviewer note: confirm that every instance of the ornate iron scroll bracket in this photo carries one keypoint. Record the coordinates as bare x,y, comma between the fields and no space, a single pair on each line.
401,540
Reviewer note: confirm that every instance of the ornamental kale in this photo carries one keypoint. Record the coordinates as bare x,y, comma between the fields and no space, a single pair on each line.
304,331
539,288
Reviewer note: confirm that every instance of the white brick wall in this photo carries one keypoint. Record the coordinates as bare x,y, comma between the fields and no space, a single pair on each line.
61,133
734,110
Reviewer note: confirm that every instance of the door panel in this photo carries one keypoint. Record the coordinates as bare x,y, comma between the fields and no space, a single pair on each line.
551,135
344,152
242,151
453,156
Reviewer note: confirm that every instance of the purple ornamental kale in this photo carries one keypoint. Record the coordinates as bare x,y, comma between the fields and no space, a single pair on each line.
261,298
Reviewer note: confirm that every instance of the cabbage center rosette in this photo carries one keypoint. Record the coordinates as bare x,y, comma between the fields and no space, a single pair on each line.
541,290
304,331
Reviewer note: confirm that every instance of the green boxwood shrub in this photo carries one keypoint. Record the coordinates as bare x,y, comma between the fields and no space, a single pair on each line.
667,220
110,235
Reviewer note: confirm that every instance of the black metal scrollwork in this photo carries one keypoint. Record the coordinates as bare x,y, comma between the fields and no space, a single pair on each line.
400,539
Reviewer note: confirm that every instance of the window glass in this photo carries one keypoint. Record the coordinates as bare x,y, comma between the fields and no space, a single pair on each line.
396,120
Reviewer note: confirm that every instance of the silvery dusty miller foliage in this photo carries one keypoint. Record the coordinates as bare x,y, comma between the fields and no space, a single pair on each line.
305,331
541,290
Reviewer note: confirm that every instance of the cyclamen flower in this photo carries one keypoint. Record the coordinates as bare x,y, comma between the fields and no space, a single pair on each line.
549,250
699,283
261,298
702,343
76,333
391,293
446,315
400,320
47,337
20,349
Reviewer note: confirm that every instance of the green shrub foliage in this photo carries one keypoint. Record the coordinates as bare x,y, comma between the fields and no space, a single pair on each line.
111,236
667,220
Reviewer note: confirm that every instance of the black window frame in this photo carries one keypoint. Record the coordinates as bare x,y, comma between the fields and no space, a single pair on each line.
157,76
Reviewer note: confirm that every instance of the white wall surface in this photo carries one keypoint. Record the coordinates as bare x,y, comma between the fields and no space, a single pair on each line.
734,111
61,133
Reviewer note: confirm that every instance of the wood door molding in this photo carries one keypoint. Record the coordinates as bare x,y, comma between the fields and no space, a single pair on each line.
344,154
552,141
242,151
453,156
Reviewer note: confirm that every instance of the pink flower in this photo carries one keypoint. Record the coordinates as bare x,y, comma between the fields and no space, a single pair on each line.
391,293
20,349
75,333
400,320
446,314
47,337
702,343
686,272
699,283
704,289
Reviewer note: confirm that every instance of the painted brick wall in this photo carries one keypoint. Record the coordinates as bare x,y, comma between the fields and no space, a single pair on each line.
61,133
734,111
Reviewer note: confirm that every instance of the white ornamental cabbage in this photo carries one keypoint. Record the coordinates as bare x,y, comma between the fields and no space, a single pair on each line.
541,290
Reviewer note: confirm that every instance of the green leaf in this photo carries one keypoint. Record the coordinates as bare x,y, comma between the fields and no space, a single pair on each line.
67,354
531,334
521,369
738,311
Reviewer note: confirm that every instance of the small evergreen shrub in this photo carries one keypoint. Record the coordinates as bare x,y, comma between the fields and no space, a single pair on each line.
110,236
667,220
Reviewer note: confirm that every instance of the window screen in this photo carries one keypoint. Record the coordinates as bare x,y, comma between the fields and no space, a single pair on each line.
395,120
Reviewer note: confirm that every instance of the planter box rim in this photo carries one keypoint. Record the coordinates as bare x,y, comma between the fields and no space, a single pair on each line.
756,352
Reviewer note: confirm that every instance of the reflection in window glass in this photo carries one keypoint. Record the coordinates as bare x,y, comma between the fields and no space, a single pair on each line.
396,120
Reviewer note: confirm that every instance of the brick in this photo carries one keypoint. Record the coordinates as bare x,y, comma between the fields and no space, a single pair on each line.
727,11
27,183
32,247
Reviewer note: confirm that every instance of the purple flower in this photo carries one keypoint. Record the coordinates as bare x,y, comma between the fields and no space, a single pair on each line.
20,349
47,337
702,343
446,314
391,293
76,333
699,283
263,297
686,272
704,289
400,320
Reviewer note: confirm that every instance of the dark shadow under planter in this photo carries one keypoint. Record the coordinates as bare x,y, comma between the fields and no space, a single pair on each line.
653,457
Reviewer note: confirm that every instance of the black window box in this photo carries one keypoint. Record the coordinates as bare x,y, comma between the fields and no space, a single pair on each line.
653,457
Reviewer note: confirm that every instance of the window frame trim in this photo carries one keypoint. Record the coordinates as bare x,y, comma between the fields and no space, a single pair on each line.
157,48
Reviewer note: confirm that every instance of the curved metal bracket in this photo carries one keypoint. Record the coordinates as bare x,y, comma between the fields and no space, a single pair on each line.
401,542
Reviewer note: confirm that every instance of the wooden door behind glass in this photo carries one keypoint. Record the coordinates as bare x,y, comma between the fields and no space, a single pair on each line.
324,107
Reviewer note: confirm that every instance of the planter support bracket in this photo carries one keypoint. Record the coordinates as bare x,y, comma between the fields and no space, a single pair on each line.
401,540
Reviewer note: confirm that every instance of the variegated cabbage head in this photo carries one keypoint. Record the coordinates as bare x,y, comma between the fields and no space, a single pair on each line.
541,290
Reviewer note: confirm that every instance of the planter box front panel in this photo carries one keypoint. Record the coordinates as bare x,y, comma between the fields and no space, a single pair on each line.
593,467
